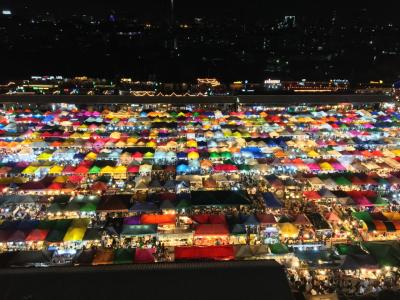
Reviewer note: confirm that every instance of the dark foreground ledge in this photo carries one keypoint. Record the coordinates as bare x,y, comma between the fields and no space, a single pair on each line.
262,279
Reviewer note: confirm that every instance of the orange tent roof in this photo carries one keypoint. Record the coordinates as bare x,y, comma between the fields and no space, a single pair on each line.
157,219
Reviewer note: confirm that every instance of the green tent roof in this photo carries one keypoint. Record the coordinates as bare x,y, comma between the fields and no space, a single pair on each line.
362,216
278,248
138,230
345,249
226,155
56,207
238,229
87,207
92,234
386,253
124,256
183,204
94,170
47,224
56,235
63,224
72,206
214,155
244,167
379,201
342,181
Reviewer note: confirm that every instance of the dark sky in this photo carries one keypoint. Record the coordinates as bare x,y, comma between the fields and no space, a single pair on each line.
248,9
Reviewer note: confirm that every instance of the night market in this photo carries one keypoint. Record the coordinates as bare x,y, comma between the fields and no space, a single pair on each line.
314,187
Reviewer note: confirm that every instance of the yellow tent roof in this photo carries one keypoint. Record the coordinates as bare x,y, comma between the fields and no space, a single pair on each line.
56,169
191,144
29,170
131,140
288,230
44,156
75,135
74,234
120,169
325,166
312,154
237,134
86,135
115,135
107,170
396,152
60,179
8,180
91,156
151,144
193,155
148,155
82,127
120,144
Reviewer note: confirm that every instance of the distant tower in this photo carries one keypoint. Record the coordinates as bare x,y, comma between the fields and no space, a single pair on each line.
171,17
174,41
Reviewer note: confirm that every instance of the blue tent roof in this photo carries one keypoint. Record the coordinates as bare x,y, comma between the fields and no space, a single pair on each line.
251,220
182,168
181,155
271,201
238,229
144,207
251,149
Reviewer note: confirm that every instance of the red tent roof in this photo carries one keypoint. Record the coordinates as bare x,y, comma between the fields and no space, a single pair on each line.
137,155
211,252
225,168
37,235
266,218
55,186
201,219
81,170
75,179
99,186
133,169
69,170
217,219
211,229
301,220
312,195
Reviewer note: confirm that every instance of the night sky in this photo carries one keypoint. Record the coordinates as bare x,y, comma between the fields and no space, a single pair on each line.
32,47
249,9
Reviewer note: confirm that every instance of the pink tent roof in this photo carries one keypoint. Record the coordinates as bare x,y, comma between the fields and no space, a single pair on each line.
225,168
338,166
313,167
144,255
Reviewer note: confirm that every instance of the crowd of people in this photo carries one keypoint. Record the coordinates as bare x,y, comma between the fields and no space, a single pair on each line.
346,283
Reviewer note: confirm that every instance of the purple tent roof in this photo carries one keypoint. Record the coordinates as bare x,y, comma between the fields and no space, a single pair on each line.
134,220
